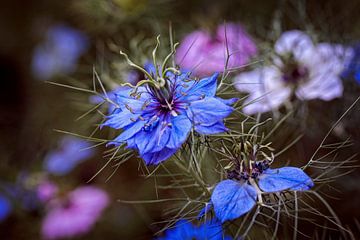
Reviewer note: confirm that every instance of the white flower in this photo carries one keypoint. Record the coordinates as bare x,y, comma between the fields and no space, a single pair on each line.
299,69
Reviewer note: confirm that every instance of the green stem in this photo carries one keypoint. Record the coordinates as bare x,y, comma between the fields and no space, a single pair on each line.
194,176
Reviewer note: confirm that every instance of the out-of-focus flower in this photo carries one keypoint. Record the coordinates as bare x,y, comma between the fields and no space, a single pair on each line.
157,121
238,194
299,69
46,191
71,152
184,230
21,193
5,207
353,66
59,52
74,215
203,54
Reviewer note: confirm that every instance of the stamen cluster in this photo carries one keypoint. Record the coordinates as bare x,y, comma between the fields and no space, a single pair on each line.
257,168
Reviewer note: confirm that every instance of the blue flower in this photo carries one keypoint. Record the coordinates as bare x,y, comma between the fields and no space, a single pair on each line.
236,196
353,67
184,230
5,208
59,52
157,121
72,151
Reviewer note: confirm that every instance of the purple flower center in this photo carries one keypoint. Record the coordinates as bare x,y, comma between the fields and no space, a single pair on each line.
67,204
165,104
254,172
166,100
294,73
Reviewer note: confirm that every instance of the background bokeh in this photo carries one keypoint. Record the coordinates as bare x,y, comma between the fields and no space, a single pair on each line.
31,109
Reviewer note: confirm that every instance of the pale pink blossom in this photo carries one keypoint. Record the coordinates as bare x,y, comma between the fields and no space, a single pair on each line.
300,68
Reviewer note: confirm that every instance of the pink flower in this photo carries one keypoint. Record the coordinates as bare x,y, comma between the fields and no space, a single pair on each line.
74,215
299,69
204,54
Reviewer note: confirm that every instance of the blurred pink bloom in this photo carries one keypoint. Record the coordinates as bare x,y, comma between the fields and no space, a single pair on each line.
46,191
204,54
76,214
299,68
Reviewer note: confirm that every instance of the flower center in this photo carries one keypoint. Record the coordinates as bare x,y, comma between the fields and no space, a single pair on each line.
166,106
294,73
257,168
67,204
165,98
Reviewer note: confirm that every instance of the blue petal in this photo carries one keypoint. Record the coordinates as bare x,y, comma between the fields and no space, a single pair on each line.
357,76
211,129
95,99
72,152
122,92
120,119
162,139
163,136
232,199
131,143
184,77
183,230
205,87
229,102
58,164
59,52
150,68
5,208
123,95
128,132
136,106
211,229
275,180
154,139
208,111
155,158
181,126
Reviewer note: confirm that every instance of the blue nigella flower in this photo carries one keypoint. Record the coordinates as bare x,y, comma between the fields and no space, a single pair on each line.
5,208
72,151
59,52
157,121
237,195
184,230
